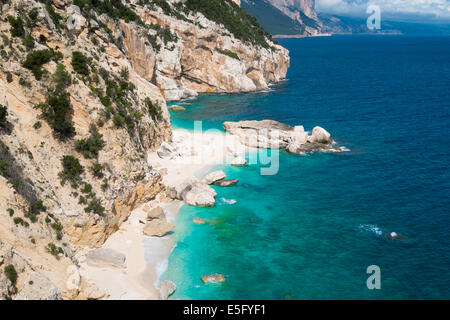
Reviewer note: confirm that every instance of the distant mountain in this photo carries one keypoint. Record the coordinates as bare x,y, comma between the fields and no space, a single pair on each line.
285,17
352,25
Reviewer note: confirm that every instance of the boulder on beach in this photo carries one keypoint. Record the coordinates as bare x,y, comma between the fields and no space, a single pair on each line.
201,195
198,220
156,213
213,278
239,162
157,228
184,187
215,176
166,289
166,151
106,257
226,182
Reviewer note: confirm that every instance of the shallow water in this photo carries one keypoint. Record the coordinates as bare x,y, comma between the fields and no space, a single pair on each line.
311,231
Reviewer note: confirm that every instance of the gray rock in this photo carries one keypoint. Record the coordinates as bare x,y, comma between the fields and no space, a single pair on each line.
215,176
166,151
166,288
226,182
200,195
156,213
157,228
38,287
106,257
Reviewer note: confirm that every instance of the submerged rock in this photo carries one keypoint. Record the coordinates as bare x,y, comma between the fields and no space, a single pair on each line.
106,257
215,176
157,228
226,182
394,236
177,108
213,278
198,220
166,289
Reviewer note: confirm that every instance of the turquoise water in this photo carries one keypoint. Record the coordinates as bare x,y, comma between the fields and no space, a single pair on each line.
311,231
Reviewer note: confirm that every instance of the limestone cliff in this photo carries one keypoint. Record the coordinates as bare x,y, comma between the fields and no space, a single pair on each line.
83,93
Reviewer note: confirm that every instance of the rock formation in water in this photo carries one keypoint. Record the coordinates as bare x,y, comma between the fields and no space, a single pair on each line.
270,134
83,94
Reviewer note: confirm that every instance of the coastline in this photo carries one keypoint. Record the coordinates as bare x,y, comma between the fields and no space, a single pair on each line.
147,257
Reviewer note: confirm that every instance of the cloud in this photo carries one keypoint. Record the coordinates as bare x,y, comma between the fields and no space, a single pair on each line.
437,9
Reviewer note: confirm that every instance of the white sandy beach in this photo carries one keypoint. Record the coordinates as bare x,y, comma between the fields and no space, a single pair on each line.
147,257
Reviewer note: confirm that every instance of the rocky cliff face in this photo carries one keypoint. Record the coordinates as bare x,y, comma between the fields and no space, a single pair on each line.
302,11
83,94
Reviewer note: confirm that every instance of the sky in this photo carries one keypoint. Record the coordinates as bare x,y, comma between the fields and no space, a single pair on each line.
420,10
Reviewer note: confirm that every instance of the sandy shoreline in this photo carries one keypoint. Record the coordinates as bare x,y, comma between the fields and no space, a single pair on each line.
147,257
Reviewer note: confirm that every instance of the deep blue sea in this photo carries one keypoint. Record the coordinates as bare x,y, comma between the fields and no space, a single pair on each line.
311,231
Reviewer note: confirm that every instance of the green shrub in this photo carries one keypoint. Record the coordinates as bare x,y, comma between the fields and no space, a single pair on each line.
20,221
154,111
9,77
10,212
28,42
80,63
54,15
61,78
54,250
11,274
17,29
236,20
97,170
91,146
95,206
72,170
56,112
36,59
228,53
24,83
3,115
12,171
87,188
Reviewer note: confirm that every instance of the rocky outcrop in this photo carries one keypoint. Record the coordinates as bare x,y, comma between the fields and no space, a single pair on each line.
166,289
200,195
207,59
271,134
38,287
302,11
239,162
106,257
215,176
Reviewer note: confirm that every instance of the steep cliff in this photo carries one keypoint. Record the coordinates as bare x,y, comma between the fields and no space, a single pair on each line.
83,93
288,17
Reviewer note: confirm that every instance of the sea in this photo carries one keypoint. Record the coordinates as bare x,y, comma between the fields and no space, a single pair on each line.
314,229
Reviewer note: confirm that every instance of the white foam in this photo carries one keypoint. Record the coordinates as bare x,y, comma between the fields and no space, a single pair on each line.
161,268
371,228
228,201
